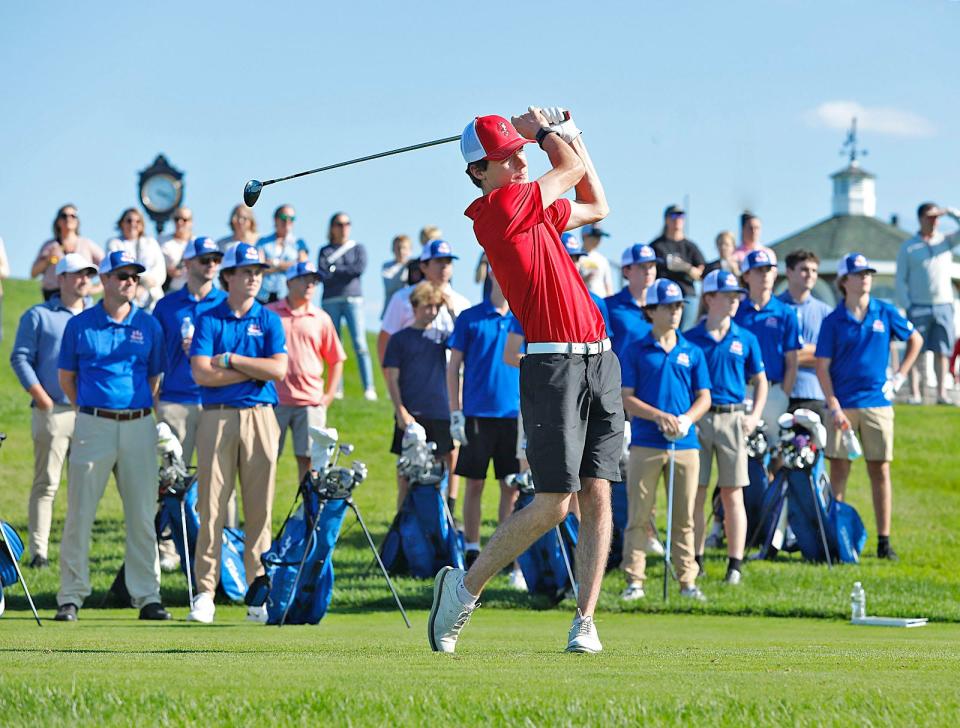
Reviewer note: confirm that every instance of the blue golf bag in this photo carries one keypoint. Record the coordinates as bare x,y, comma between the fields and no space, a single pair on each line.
619,511
169,526
544,564
8,572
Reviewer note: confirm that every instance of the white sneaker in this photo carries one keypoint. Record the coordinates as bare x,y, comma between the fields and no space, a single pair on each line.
202,609
583,635
170,564
633,592
653,547
370,395
517,581
257,614
693,593
448,615
733,577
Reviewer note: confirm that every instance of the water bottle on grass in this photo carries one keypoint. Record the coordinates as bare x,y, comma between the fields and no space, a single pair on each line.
858,602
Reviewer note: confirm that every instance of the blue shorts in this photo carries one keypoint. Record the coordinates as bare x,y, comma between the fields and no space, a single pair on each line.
935,324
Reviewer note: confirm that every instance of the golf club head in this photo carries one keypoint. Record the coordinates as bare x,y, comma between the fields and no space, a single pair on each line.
251,192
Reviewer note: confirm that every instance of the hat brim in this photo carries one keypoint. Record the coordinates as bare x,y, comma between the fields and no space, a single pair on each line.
261,266
865,269
433,257
136,266
92,269
204,255
311,274
507,150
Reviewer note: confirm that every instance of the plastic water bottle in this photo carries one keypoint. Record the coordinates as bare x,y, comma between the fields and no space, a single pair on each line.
858,602
851,444
186,328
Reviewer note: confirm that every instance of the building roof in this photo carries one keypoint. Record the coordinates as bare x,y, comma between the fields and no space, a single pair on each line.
836,236
853,170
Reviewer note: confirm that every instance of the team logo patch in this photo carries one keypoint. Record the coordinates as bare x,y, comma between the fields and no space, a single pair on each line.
254,330
736,348
646,252
683,359
251,254
879,327
444,247
761,257
860,262
672,290
136,336
727,280
772,322
502,128
126,258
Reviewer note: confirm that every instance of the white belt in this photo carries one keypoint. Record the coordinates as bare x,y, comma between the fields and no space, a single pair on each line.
550,347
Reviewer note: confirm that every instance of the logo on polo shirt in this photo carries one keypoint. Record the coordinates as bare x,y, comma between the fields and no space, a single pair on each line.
136,336
254,330
736,347
682,359
878,326
772,322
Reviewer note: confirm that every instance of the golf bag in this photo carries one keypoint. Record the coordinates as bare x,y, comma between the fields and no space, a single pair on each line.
8,572
549,562
423,537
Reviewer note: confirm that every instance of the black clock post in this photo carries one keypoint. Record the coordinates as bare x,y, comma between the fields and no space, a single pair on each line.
161,191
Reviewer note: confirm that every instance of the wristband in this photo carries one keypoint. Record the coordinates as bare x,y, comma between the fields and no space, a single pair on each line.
543,134
226,361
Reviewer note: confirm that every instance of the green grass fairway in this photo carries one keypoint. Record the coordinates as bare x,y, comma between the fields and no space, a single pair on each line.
369,669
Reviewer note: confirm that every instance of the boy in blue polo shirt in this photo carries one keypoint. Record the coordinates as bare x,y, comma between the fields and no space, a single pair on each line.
484,419
415,370
666,389
733,358
852,356
638,264
111,359
775,325
237,354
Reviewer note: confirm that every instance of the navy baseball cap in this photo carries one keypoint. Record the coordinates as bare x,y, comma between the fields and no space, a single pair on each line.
721,281
437,249
240,255
573,245
199,247
594,231
854,263
638,253
302,269
673,210
119,259
663,291
759,259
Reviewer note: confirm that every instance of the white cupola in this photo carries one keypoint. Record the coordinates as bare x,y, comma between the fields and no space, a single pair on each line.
854,189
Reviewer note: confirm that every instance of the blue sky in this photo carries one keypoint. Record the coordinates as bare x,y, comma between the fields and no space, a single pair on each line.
736,104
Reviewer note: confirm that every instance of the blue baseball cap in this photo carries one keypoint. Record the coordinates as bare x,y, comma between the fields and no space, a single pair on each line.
119,259
663,291
240,255
573,245
199,247
721,281
638,253
302,269
594,231
854,263
437,249
759,259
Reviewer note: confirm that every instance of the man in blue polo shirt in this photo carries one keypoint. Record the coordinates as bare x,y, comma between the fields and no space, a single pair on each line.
775,325
852,356
237,353
666,389
484,419
733,358
111,359
638,265
34,357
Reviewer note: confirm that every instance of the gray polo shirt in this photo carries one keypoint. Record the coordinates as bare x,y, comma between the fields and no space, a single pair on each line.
923,271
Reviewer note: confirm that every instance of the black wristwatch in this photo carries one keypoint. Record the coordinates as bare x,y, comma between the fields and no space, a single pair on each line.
542,134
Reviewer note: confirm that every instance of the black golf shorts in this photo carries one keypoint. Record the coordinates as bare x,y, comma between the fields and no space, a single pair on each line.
438,431
573,418
489,438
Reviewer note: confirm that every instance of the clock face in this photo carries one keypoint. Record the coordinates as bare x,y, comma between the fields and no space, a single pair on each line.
160,193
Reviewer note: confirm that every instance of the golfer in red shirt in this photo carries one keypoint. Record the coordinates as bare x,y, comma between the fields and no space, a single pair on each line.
569,379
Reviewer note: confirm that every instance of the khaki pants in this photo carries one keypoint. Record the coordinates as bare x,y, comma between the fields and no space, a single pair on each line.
234,442
52,432
646,466
129,451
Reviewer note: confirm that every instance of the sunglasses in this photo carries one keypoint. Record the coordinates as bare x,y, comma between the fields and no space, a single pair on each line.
182,219
208,259
135,277
67,216
676,215
287,218
342,223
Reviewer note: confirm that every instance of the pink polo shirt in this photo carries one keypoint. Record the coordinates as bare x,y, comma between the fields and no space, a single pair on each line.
311,341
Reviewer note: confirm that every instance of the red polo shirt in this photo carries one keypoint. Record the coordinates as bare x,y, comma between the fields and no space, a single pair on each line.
537,275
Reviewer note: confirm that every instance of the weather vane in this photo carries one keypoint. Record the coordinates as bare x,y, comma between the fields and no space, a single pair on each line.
850,144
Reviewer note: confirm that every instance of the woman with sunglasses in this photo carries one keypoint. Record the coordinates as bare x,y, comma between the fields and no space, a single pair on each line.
146,250
243,228
66,239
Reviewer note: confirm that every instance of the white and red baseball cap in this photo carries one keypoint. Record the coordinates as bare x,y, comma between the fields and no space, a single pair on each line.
490,137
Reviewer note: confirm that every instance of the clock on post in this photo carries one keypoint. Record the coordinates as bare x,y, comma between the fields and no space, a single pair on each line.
161,191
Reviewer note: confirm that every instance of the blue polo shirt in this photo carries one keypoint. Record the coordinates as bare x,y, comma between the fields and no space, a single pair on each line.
258,333
669,382
859,350
627,322
602,306
171,310
732,361
113,360
422,362
810,316
491,388
776,328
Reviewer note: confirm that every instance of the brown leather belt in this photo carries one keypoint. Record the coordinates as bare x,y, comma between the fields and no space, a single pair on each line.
233,407
118,415
728,408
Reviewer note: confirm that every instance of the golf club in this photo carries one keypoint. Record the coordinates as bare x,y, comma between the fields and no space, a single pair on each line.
566,562
251,190
823,532
13,559
671,456
186,548
306,553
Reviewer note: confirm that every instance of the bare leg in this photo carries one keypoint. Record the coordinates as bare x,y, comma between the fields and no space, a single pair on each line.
879,472
471,510
699,520
593,546
839,473
734,521
508,498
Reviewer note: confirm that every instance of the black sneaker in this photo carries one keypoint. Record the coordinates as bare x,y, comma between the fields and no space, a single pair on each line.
887,552
154,611
469,557
39,562
66,613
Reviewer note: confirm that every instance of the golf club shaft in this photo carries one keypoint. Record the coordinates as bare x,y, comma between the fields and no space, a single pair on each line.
823,532
186,549
20,576
376,554
401,150
566,562
671,452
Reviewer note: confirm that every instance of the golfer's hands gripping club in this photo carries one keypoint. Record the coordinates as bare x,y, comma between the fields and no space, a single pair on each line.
458,427
562,123
528,124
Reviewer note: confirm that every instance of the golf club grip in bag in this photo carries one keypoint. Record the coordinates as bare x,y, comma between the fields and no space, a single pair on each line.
543,565
8,572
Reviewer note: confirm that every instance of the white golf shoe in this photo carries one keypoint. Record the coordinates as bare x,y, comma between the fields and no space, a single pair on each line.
517,581
583,635
169,564
370,394
202,609
633,592
733,577
448,615
257,614
653,547
693,593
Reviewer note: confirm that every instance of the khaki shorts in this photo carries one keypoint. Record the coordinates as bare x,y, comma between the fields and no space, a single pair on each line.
874,427
722,433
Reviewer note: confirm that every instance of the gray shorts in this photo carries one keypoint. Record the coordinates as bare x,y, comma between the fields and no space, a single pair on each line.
300,420
935,324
